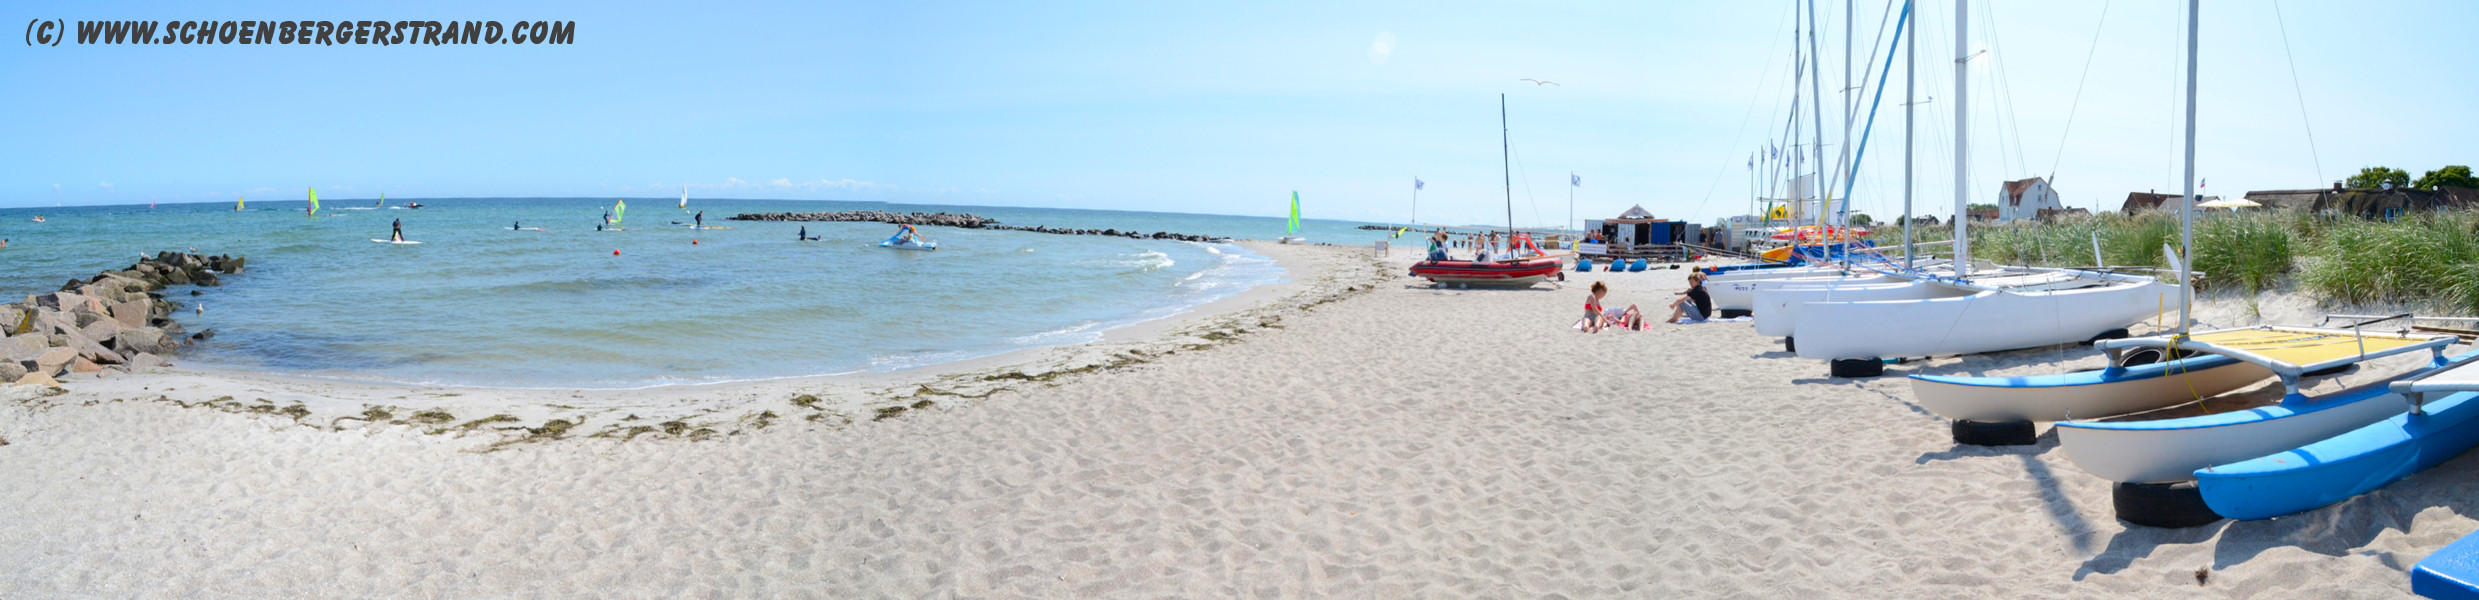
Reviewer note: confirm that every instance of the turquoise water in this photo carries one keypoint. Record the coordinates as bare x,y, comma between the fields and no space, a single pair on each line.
479,304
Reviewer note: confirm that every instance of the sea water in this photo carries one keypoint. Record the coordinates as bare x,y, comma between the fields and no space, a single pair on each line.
478,303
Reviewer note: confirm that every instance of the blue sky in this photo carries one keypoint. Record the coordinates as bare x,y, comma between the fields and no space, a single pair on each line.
1213,108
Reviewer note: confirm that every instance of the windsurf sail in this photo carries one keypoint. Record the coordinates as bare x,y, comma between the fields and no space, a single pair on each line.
313,202
619,211
382,199
684,197
236,203
1294,227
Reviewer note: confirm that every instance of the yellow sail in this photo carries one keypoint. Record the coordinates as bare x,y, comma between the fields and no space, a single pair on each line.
313,202
236,203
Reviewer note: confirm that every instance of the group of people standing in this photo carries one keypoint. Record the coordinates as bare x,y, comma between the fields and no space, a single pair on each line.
1485,247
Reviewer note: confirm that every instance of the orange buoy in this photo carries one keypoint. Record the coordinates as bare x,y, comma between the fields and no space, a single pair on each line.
615,252
692,242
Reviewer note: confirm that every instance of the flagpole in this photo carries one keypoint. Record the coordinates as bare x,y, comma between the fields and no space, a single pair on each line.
1415,200
1571,199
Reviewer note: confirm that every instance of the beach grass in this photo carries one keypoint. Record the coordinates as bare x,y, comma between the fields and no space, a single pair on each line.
2427,259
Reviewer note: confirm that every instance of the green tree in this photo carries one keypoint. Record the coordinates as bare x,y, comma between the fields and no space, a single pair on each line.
1862,219
2452,175
2377,177
1978,206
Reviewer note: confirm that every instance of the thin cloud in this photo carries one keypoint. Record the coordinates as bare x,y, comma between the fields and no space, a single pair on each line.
1381,49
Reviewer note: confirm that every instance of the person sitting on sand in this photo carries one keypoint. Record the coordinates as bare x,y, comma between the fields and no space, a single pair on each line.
1694,304
399,234
1597,318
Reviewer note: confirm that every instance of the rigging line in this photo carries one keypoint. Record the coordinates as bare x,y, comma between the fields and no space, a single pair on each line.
2078,92
2300,89
2001,100
1744,119
1868,70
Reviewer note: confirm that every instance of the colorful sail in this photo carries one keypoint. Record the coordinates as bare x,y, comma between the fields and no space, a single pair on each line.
313,202
236,203
619,211
1294,227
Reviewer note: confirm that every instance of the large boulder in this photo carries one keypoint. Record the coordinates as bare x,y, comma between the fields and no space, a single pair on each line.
101,329
43,379
145,360
58,300
51,361
131,314
21,347
10,370
81,365
141,340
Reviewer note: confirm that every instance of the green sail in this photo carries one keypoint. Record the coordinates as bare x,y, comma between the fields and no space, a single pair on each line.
313,202
619,211
1294,227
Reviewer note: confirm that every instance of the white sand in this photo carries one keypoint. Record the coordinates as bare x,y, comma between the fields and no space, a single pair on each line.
1402,442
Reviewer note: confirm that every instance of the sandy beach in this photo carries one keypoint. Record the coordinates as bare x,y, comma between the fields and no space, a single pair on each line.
1353,433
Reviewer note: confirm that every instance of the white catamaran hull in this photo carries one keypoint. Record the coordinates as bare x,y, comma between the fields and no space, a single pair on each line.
1986,321
1777,310
2163,452
1741,294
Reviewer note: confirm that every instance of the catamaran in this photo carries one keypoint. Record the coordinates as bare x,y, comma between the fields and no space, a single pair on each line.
1966,315
1512,272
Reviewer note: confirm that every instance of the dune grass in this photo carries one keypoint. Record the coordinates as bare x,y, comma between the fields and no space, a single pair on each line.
2427,259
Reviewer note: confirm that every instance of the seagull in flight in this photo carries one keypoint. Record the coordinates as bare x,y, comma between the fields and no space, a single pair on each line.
1540,82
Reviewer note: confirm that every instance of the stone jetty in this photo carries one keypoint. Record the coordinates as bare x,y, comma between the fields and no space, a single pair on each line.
113,323
965,221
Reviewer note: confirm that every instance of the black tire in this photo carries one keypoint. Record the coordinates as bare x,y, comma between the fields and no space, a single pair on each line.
2113,334
1733,313
2165,505
1858,368
1997,433
1790,344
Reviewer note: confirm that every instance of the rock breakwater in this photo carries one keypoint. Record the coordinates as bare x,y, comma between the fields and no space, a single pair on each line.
115,322
965,221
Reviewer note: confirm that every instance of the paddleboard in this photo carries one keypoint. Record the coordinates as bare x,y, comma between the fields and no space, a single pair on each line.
710,227
392,242
527,229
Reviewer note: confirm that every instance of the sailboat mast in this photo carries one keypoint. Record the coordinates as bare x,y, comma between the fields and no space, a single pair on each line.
1816,104
1962,138
2186,210
1910,84
1507,167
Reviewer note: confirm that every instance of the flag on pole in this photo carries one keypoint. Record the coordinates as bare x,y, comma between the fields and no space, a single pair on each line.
1417,185
1575,180
1751,162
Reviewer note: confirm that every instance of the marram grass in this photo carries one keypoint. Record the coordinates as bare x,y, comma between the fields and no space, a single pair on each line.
2428,259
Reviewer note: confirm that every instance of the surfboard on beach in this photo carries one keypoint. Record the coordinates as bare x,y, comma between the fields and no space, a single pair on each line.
395,242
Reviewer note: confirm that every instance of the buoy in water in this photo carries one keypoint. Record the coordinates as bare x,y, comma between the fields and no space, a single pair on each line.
615,253
692,242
